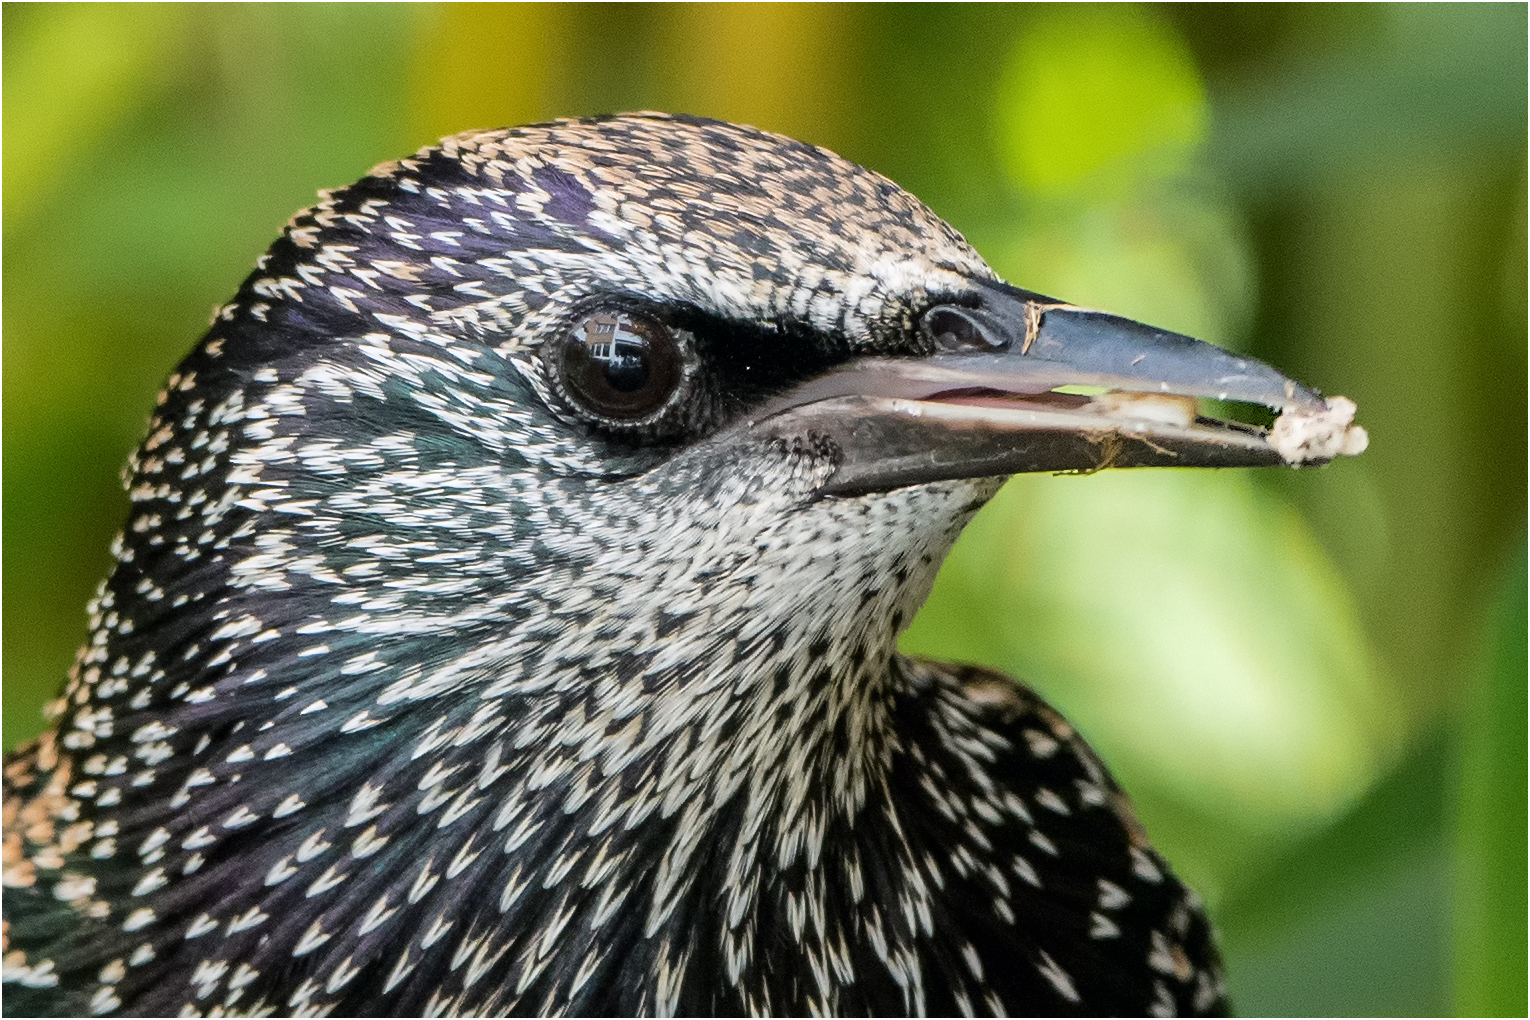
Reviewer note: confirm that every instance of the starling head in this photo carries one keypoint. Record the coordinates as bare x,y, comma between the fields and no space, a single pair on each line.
506,619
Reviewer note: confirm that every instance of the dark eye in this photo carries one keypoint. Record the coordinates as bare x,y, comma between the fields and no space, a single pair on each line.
620,365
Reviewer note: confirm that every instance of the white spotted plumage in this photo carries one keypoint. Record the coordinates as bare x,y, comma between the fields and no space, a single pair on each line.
411,693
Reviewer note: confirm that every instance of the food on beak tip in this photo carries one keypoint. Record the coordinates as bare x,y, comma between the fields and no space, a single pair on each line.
1300,435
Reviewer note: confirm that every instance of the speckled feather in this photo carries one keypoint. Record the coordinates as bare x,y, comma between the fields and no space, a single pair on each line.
414,691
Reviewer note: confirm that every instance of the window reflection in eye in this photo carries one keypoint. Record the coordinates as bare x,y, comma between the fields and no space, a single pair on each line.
620,365
624,353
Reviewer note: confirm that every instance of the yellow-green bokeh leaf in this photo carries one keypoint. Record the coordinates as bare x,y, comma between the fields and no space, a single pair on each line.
71,72
1097,91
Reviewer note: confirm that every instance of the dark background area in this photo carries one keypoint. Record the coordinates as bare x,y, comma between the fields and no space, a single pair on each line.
1312,682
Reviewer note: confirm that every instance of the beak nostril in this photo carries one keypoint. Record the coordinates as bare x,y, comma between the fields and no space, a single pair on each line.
956,329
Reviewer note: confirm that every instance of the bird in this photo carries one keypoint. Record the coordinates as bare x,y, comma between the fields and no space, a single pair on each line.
506,617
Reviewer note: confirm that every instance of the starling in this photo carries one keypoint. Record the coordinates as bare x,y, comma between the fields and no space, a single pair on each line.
506,618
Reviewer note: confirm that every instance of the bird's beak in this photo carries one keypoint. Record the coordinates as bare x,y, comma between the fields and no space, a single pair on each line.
1020,382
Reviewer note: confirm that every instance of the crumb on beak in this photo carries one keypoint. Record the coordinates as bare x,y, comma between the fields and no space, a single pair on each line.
1300,436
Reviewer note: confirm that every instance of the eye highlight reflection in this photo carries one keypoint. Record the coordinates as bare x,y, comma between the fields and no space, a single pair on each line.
620,365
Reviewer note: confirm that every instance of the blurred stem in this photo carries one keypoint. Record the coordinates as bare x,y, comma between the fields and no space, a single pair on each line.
1490,922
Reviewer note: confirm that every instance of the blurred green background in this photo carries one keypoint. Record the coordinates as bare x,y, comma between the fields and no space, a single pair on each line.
1312,682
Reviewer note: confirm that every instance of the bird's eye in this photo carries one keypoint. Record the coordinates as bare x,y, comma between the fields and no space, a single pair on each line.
620,365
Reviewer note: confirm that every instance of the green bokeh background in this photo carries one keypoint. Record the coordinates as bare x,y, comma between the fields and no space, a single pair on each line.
1313,682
